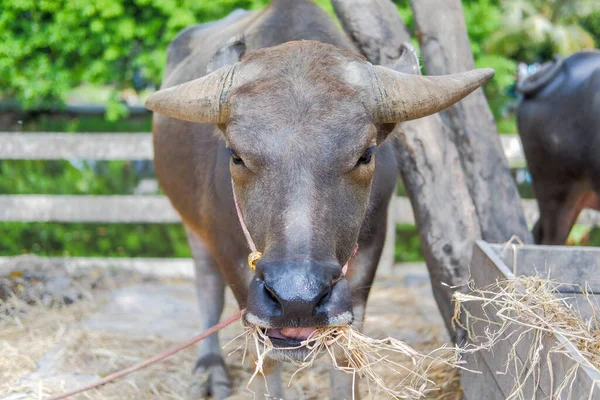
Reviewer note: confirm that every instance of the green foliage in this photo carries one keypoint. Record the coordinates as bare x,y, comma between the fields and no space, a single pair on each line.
534,30
507,124
497,90
93,240
78,239
591,23
63,177
483,18
408,244
50,46
594,238
61,123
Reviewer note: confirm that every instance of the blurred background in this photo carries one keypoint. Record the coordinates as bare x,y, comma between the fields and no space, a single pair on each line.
87,66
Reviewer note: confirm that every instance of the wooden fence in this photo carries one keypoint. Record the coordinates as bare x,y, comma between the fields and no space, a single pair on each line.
155,208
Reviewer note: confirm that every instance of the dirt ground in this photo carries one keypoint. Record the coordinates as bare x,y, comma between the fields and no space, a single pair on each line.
65,328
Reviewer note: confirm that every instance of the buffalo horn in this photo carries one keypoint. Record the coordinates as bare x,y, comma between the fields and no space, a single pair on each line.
202,100
402,97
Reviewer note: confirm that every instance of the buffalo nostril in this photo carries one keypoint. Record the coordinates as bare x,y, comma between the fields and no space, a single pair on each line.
271,295
324,298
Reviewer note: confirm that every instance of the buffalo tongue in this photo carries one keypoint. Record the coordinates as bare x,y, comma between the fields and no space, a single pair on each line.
299,334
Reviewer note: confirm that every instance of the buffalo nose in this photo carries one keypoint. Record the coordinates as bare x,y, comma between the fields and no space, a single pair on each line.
297,294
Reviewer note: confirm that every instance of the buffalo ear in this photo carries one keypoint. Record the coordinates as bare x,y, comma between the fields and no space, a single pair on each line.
229,54
408,62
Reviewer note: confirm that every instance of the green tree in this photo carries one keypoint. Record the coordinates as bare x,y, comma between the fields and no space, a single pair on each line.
48,47
591,23
534,30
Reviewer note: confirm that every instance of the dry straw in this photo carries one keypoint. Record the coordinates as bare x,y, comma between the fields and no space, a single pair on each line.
525,312
363,357
29,332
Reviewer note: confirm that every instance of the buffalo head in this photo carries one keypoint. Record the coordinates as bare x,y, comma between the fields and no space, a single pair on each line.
303,123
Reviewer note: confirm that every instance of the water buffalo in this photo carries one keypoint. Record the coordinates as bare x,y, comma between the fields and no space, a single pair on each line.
559,124
295,122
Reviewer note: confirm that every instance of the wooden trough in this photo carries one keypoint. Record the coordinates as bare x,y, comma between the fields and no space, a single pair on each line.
575,265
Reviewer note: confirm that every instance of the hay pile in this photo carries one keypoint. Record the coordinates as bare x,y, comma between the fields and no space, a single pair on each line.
524,312
410,378
47,349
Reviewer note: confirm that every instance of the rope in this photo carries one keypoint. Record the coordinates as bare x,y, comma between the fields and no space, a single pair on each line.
192,341
242,222
256,255
152,360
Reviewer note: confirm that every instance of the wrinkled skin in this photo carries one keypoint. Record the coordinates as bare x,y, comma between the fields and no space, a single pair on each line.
309,187
559,125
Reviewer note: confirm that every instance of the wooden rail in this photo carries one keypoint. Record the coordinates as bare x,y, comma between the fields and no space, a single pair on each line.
110,209
64,146
130,146
144,208
159,267
155,208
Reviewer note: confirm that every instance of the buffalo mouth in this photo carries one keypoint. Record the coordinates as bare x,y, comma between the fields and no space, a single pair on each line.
289,338
293,345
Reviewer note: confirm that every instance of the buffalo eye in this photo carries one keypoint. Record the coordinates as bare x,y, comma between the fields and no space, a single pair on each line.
235,158
367,156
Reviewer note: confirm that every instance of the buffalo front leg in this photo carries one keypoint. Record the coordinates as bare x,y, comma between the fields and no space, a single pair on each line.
210,375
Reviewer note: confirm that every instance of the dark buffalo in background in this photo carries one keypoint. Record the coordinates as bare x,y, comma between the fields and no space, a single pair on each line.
559,124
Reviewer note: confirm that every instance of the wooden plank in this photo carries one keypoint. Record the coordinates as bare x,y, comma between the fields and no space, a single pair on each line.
89,146
530,208
566,264
130,209
159,267
109,209
404,213
495,359
576,265
487,267
130,146
587,217
475,385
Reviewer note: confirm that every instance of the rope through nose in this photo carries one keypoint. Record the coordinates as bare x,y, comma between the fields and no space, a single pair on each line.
257,255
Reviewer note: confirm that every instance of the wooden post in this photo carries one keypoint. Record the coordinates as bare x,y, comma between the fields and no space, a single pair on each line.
444,211
374,26
445,47
459,185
